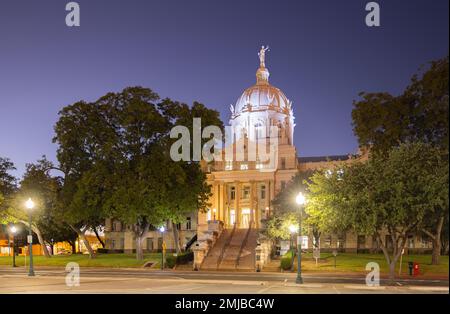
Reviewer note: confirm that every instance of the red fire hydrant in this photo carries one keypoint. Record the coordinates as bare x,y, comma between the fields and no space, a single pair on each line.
416,269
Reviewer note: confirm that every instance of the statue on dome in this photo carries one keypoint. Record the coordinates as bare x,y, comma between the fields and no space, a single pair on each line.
262,56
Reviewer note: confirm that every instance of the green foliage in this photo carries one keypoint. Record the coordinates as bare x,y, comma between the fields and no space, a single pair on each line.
284,201
115,156
393,193
382,121
286,260
171,261
277,226
7,187
185,257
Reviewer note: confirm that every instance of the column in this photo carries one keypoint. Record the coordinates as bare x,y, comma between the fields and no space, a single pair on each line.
257,207
225,205
237,210
252,201
221,208
271,194
267,196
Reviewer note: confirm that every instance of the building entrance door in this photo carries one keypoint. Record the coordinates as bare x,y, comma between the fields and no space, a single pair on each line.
245,218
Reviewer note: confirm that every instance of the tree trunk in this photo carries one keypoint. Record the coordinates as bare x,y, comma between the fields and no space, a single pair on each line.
437,243
39,236
139,249
85,241
41,241
176,238
140,234
98,237
72,245
436,240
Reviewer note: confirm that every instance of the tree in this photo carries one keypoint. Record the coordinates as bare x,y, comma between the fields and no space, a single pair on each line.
87,142
284,205
8,186
115,156
38,185
277,226
190,191
390,194
420,113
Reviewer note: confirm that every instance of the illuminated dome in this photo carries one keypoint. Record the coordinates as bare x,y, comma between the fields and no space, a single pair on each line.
262,96
262,106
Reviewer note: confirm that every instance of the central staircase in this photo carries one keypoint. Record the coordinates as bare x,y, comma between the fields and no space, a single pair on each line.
233,250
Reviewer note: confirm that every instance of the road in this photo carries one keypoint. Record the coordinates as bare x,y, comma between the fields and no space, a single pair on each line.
110,280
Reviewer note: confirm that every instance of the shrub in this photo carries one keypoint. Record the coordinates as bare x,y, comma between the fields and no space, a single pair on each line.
102,250
170,261
286,260
185,258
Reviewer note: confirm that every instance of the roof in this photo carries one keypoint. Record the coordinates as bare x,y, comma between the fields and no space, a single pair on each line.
324,158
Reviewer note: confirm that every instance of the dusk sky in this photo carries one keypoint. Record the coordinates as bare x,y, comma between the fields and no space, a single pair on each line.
321,56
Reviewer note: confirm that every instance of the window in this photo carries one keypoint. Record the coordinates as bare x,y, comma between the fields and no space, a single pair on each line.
113,244
150,244
410,241
244,166
232,193
283,163
188,223
259,129
263,192
229,165
361,242
246,192
178,226
283,184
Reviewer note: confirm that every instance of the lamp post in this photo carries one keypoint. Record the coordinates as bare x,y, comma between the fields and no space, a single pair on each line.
162,229
300,200
293,229
30,205
13,230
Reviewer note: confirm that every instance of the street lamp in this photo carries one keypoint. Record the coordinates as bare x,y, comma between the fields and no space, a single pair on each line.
300,200
29,204
292,229
162,229
13,230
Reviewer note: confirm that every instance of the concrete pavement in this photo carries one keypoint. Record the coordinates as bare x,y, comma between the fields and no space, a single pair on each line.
110,280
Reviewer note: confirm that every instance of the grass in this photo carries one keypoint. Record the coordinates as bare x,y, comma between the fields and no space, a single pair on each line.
101,260
346,262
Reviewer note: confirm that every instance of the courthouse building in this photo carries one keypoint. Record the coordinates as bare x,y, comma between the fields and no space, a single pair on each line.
229,235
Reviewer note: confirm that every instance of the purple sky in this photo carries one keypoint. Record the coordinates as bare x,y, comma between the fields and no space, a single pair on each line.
322,55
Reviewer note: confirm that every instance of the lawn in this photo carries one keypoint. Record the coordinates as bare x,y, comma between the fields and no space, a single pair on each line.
101,260
346,262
